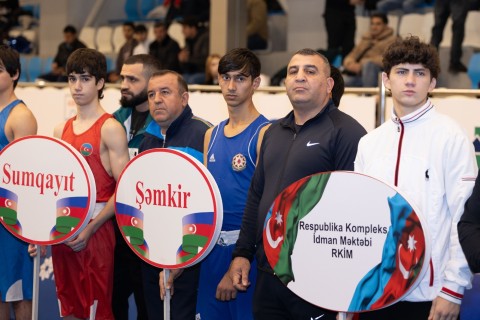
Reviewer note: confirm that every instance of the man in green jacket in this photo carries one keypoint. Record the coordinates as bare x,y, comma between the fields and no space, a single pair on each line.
134,115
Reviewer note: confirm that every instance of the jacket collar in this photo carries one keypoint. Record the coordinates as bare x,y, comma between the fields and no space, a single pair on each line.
412,117
289,119
155,130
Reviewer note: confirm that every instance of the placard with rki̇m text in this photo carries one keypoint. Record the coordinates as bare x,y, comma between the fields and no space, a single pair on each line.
346,242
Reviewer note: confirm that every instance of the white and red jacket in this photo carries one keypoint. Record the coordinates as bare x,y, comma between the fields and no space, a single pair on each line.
431,161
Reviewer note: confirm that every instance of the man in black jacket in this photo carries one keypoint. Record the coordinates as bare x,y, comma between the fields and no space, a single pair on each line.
469,228
315,137
164,48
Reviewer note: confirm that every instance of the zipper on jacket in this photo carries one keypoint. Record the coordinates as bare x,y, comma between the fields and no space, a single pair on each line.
399,151
431,272
164,140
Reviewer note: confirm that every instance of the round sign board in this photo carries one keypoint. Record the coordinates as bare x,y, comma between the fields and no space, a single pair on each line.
168,208
346,242
47,192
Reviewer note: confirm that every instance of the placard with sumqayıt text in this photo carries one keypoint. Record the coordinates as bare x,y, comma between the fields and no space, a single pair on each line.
47,191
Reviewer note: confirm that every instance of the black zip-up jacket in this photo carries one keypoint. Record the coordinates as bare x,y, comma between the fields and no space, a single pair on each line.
327,142
186,133
469,228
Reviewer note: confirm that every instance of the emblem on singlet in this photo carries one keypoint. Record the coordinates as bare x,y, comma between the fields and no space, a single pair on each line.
239,162
86,149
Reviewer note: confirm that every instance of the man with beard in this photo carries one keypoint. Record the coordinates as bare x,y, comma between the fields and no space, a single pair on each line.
134,115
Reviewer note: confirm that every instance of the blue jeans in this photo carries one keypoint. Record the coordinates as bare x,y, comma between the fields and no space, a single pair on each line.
367,78
407,6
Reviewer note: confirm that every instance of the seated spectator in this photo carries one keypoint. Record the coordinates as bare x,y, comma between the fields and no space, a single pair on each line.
141,36
192,58
164,48
65,49
211,69
257,27
363,64
125,51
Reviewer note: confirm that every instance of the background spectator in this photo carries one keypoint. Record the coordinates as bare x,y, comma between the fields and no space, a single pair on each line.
363,64
164,48
257,27
458,10
125,51
192,58
65,49
211,69
141,36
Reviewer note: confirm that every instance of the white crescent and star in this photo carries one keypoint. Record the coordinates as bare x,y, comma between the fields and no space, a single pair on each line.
273,243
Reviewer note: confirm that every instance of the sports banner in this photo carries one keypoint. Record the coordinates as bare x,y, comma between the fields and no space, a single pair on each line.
47,191
346,242
168,208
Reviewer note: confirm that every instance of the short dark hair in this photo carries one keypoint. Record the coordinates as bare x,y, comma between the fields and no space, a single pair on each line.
140,28
412,50
240,59
190,21
129,24
311,52
338,86
70,29
10,60
91,61
182,84
160,24
149,62
380,15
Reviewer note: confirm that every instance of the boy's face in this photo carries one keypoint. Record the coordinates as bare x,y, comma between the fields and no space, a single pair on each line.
237,87
83,88
410,85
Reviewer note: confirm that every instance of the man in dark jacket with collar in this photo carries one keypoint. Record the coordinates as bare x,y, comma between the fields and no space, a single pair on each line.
134,116
173,126
315,137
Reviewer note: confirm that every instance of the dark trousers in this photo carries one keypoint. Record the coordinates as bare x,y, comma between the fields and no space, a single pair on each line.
183,303
127,279
340,27
272,300
458,10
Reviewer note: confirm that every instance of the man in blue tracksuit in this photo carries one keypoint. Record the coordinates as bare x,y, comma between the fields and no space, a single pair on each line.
173,126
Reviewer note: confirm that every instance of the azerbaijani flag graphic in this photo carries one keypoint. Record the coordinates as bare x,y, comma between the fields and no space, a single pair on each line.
281,224
130,221
8,210
197,229
86,149
70,213
402,260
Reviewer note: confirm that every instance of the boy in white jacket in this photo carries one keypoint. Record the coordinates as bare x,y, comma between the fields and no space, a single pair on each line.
428,157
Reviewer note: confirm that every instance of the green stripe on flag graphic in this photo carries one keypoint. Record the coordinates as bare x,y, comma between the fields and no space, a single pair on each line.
66,224
306,199
192,242
8,215
135,234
